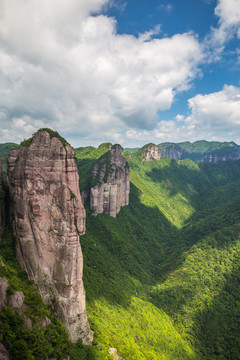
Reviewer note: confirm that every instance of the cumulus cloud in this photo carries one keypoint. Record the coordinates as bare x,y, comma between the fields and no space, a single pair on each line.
215,116
228,12
63,65
219,111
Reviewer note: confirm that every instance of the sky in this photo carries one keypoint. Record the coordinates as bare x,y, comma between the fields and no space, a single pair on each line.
124,71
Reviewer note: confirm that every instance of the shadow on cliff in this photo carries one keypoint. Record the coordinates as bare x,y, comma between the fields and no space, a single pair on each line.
84,169
126,256
203,185
123,256
177,178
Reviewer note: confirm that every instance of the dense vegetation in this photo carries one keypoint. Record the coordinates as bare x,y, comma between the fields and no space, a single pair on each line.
162,279
23,342
4,151
86,158
196,151
52,133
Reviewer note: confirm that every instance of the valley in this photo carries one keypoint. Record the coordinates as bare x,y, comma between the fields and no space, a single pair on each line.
162,277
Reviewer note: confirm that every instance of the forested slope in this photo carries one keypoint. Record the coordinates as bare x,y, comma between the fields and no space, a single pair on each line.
162,279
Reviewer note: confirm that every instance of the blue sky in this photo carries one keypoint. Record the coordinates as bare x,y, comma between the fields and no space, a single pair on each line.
128,72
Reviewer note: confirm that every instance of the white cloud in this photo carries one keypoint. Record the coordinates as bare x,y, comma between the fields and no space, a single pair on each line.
219,111
214,116
71,71
228,12
166,7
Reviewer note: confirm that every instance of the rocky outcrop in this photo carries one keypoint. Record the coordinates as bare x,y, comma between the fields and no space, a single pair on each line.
106,146
150,152
3,293
111,175
172,153
214,157
16,301
48,217
4,354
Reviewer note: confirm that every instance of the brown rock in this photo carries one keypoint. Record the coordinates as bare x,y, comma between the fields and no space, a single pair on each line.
16,300
48,217
4,354
113,185
3,292
150,152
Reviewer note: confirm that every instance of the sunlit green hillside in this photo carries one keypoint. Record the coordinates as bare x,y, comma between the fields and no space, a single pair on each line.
162,279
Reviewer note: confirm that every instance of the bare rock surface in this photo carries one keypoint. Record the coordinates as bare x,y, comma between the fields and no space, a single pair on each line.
172,153
3,292
150,152
111,173
113,352
214,157
4,354
48,217
16,300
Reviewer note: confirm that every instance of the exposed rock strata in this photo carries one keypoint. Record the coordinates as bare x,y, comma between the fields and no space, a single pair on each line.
150,152
111,173
214,157
172,153
48,217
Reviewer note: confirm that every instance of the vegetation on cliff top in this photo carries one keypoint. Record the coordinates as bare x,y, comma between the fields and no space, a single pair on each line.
106,146
162,279
197,150
52,133
4,151
86,158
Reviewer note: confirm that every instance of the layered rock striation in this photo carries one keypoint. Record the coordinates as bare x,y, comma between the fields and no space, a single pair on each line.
172,153
48,217
149,152
214,157
111,175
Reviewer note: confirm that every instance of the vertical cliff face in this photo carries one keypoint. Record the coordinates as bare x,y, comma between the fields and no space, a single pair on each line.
214,157
112,188
48,217
2,205
172,153
150,151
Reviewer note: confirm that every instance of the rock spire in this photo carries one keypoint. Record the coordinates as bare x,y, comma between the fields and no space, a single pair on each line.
111,175
48,217
150,151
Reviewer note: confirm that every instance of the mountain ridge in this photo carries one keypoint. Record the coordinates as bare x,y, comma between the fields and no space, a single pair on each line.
162,277
201,150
